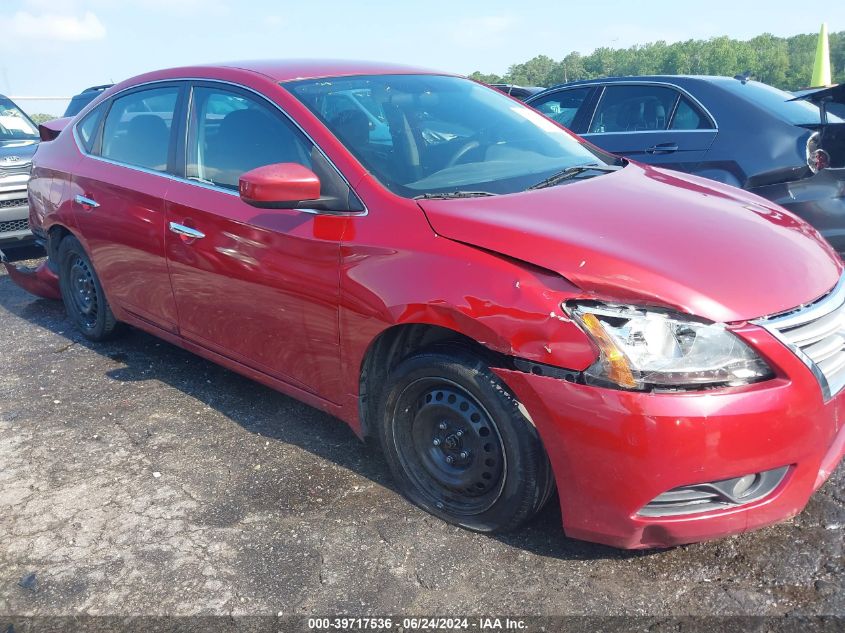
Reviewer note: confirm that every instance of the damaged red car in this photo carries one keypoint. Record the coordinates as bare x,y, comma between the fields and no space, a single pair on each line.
512,312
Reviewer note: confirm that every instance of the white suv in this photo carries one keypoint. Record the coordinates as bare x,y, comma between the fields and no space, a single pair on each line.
18,142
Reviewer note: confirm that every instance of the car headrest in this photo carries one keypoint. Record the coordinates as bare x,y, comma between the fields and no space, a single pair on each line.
352,126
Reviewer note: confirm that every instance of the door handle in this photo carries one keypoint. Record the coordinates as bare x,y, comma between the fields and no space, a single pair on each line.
662,148
186,231
86,203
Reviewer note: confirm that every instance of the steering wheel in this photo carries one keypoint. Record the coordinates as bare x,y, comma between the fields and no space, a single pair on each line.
462,151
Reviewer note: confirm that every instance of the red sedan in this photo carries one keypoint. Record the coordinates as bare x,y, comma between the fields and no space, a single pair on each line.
507,308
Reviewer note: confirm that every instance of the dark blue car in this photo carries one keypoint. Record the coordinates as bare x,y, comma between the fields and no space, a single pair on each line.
734,130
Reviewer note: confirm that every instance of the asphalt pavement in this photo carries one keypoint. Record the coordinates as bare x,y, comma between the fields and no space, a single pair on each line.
139,479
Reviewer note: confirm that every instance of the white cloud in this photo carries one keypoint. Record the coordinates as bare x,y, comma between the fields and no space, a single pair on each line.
58,27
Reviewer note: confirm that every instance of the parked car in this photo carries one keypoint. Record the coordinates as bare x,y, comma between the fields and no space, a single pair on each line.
733,130
84,98
18,141
518,92
509,311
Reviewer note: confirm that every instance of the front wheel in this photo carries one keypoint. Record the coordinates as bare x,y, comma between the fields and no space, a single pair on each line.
82,293
459,445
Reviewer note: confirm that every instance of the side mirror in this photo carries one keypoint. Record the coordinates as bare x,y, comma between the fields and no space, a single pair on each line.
280,186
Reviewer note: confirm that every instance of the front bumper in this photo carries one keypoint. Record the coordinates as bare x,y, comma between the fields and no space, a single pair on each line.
614,451
14,218
819,199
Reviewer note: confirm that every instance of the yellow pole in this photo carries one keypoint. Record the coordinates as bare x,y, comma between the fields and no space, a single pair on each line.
821,67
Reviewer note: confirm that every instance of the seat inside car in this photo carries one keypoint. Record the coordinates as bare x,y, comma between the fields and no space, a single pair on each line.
654,115
352,127
144,143
247,139
631,117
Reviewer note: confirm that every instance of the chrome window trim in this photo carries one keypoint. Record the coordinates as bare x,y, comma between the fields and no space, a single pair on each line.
189,80
665,84
585,134
802,315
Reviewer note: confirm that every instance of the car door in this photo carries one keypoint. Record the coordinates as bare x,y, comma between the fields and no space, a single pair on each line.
651,123
119,190
260,286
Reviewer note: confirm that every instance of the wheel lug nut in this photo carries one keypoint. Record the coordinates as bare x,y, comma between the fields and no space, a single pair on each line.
459,433
436,441
464,454
442,426
449,459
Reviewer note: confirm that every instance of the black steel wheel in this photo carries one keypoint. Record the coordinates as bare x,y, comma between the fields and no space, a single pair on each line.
82,293
459,444
450,446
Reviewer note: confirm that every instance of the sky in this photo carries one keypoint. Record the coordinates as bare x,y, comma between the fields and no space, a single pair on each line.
59,47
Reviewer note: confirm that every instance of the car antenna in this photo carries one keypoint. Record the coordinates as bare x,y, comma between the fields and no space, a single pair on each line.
744,77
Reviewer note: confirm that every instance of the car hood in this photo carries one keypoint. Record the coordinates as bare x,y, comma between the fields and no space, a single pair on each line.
652,236
17,153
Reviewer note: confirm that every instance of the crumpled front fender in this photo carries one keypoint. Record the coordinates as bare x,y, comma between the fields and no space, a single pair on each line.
41,281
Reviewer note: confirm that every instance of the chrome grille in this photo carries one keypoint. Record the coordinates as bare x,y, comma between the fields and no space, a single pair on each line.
16,170
17,202
816,333
13,225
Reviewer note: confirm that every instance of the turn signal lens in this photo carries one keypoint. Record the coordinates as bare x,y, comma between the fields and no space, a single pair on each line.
617,369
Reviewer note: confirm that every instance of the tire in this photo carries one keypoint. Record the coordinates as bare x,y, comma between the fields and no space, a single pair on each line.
82,293
441,404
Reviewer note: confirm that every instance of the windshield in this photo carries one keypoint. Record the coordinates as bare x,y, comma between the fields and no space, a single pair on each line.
779,103
428,134
14,124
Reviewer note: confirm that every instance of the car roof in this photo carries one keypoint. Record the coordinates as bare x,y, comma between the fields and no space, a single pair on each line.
277,71
290,69
674,79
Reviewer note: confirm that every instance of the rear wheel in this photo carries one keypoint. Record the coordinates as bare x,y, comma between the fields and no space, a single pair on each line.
459,445
82,293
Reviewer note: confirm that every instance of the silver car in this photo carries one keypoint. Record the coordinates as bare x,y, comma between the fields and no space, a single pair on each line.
18,142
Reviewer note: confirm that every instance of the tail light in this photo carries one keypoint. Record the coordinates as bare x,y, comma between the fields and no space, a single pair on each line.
817,158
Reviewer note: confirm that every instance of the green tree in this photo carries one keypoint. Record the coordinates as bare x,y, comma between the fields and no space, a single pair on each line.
783,62
487,79
534,72
40,117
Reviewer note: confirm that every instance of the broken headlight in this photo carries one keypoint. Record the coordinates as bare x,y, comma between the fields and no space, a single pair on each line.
644,349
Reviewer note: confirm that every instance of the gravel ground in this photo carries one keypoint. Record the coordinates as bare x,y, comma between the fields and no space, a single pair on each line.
138,479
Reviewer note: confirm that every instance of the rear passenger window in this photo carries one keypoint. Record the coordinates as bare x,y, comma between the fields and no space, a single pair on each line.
688,117
637,108
137,128
231,134
562,106
87,128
